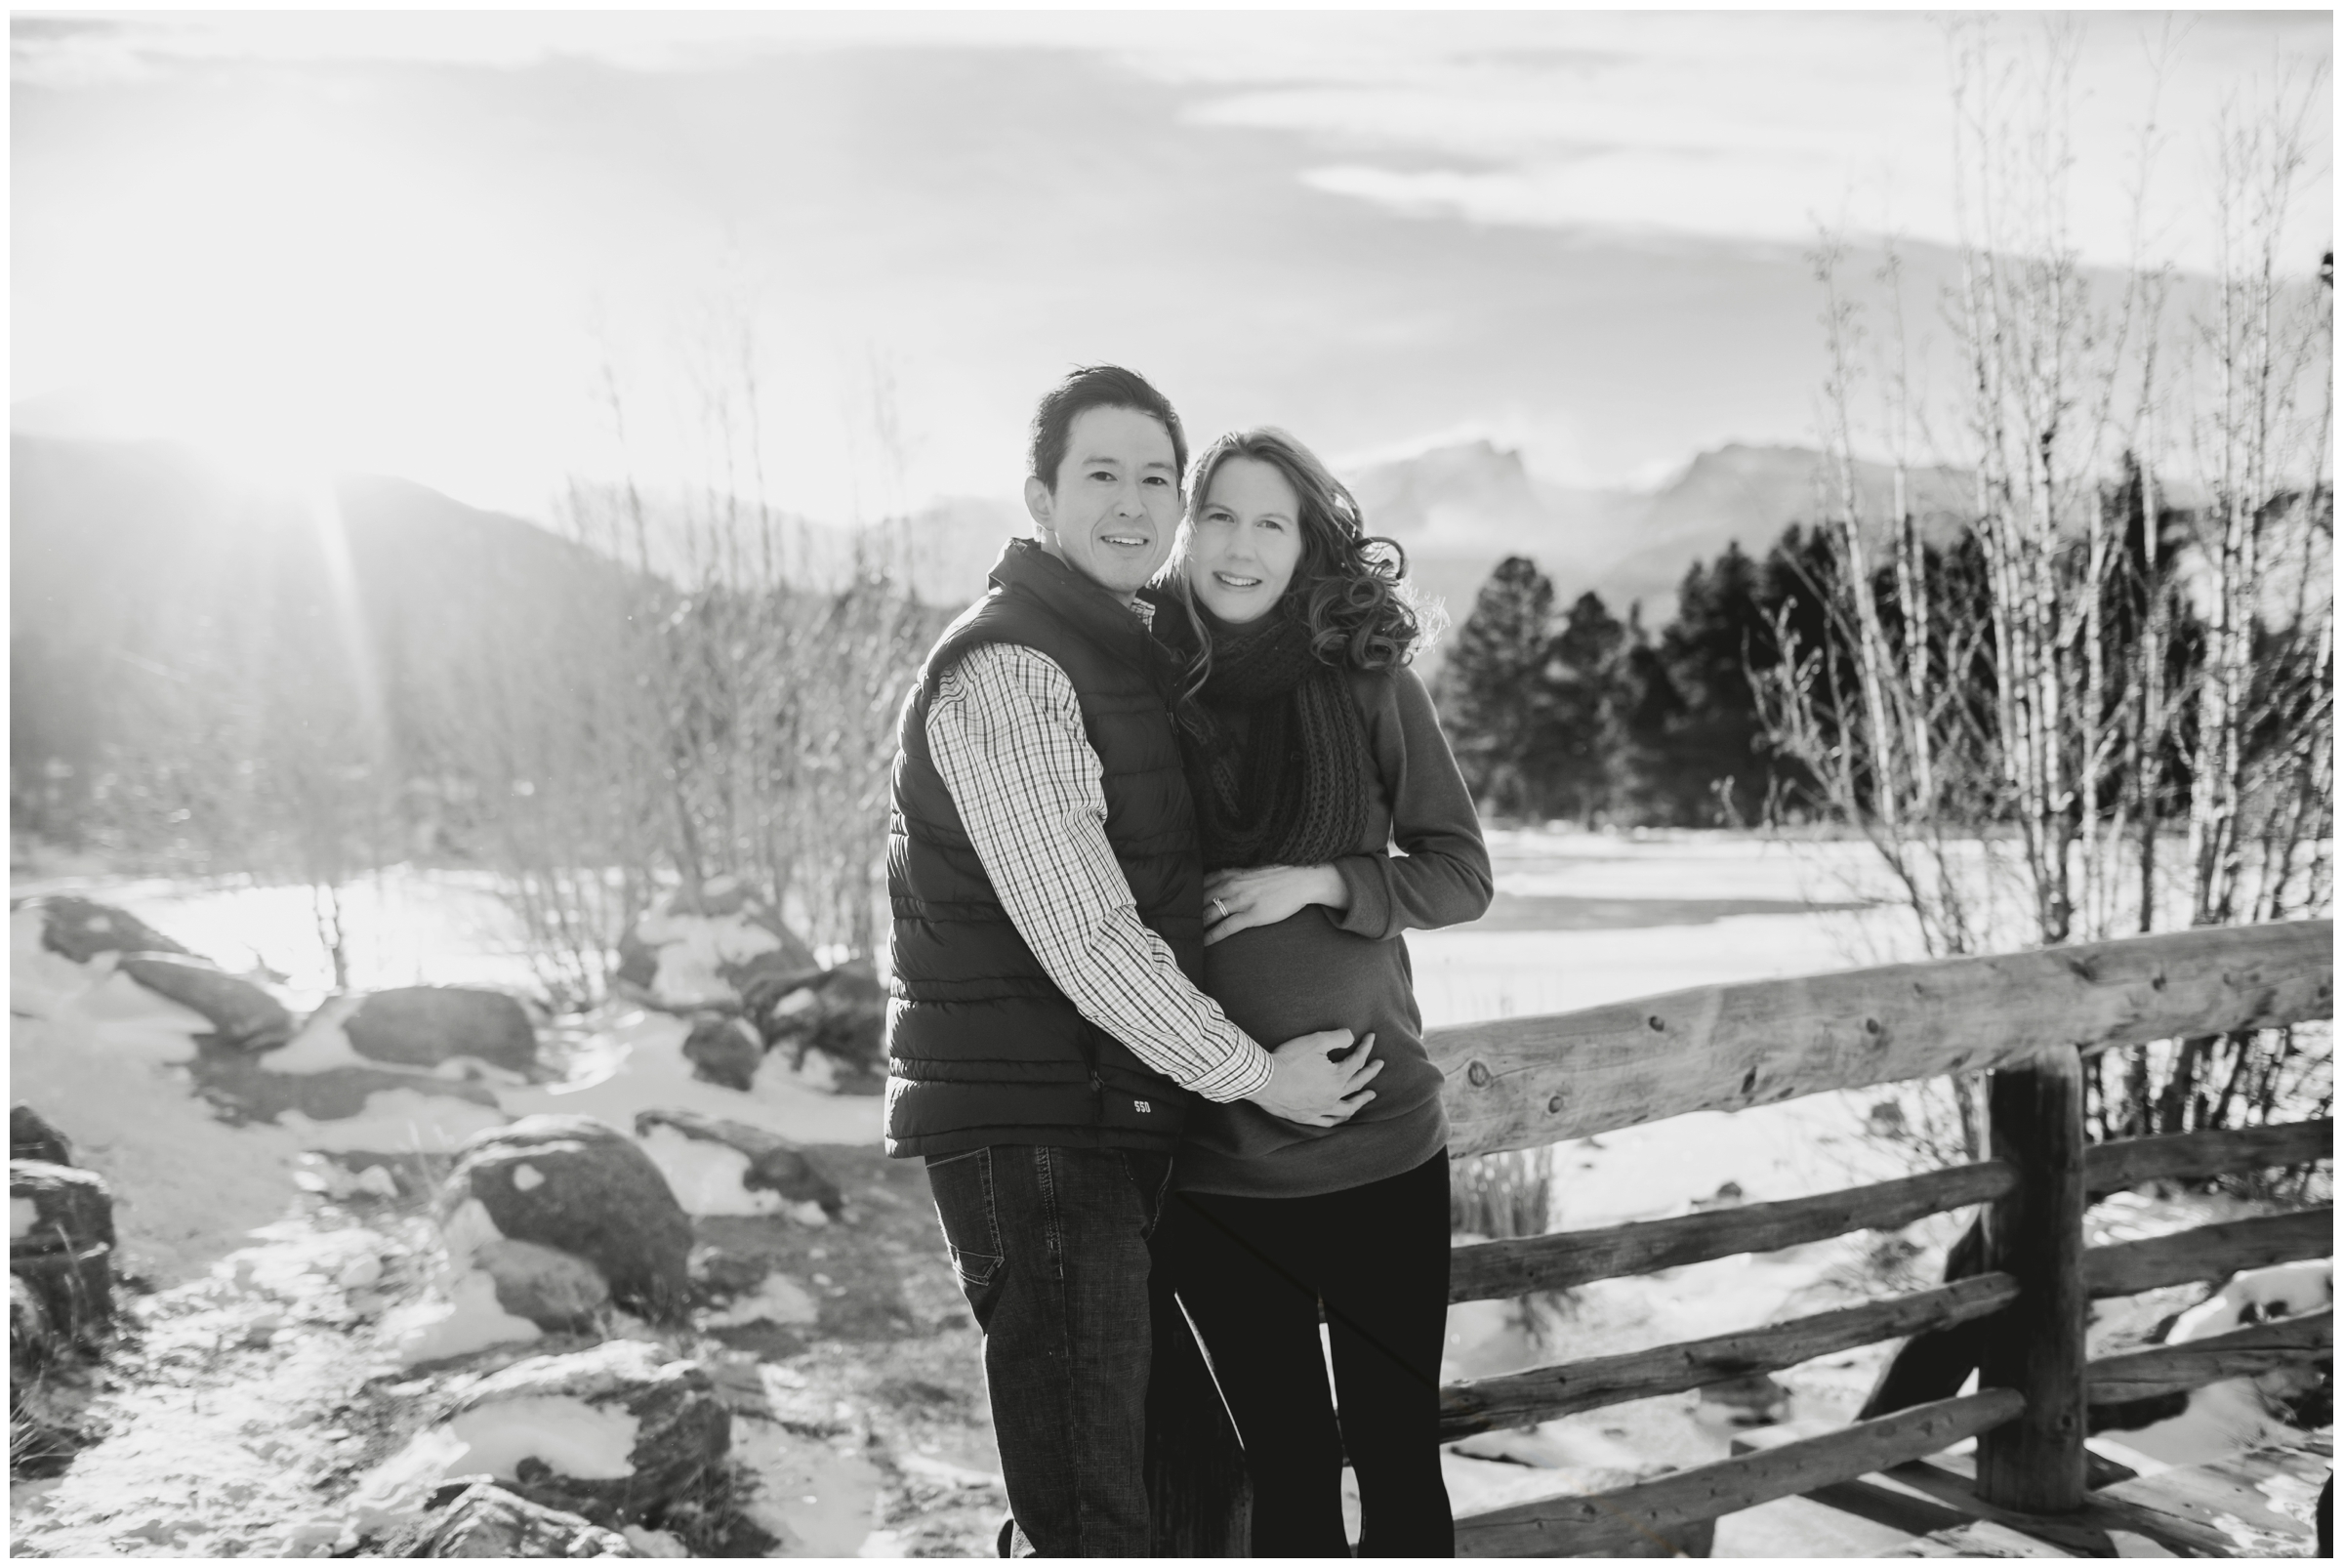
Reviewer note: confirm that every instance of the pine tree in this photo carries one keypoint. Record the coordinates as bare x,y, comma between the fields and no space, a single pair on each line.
1586,675
1491,688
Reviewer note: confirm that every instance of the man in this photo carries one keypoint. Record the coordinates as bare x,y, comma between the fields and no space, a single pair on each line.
1045,1030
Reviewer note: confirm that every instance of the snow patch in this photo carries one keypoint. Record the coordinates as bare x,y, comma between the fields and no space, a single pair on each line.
527,1178
2257,1296
691,950
321,1043
188,1187
395,1492
815,1499
654,1543
707,1179
22,1214
470,1319
590,1442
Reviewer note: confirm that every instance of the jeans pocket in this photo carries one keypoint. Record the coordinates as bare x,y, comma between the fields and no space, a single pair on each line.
963,1207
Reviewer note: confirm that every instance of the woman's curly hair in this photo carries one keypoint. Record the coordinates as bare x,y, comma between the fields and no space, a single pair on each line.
1349,586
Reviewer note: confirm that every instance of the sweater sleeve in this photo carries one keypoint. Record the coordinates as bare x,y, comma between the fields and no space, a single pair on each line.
1441,875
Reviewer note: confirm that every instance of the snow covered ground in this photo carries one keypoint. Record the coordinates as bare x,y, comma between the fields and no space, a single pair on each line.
1581,919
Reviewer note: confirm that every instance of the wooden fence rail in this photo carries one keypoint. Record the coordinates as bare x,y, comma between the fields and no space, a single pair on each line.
1496,1270
1624,1522
1519,1398
1515,1083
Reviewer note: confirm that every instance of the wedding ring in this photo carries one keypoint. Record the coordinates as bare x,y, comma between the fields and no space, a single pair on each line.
1223,908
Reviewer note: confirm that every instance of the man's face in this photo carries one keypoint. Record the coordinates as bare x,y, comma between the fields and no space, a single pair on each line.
1115,509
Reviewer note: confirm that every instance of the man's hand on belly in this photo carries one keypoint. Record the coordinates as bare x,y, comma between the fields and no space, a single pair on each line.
1309,1086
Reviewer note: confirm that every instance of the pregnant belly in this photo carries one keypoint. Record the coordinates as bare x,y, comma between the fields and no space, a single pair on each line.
1301,975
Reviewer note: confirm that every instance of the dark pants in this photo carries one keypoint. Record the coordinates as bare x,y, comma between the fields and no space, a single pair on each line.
1251,1272
1051,1249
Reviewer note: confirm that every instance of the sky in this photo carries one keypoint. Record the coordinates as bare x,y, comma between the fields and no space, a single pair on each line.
832,258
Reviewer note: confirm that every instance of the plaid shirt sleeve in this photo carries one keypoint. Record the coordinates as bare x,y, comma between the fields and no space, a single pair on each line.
1005,731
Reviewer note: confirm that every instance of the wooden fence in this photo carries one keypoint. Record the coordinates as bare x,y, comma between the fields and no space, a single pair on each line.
2013,1307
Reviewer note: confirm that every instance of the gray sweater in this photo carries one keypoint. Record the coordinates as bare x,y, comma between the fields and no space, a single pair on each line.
1324,968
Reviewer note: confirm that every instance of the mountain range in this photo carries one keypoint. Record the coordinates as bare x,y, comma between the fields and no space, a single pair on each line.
1457,510
119,549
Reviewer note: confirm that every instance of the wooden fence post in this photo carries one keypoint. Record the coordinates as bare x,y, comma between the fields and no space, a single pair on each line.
2036,1463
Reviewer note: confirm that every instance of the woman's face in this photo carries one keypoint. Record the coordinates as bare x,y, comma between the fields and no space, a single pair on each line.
1245,540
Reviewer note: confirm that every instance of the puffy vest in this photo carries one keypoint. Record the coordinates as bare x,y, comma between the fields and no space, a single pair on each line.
982,1046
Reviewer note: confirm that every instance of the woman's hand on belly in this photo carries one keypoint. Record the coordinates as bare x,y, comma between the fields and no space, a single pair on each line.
1239,899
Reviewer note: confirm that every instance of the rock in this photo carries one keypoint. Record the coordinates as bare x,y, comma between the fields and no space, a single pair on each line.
724,1050
680,1430
841,1012
1886,1121
61,1243
31,1138
705,949
572,1183
484,1520
775,1165
81,929
1728,1195
424,1026
242,1014
559,1291
68,1207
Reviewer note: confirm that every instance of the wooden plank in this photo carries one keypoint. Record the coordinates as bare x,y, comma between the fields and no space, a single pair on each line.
2035,1235
2245,1352
1541,1393
2100,1469
2225,1502
1516,1083
2208,1252
2188,1156
1497,1270
2088,1530
1593,1526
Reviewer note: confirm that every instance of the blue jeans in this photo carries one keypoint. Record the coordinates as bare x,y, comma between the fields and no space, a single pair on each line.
1050,1245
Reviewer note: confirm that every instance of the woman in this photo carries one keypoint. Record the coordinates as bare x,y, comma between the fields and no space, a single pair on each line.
1311,748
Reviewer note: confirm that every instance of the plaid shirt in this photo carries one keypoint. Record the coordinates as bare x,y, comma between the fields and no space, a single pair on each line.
1005,729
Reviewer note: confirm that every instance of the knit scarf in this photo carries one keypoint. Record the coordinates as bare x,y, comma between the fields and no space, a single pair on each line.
1295,792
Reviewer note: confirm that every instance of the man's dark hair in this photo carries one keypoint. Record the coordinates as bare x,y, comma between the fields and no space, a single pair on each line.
1097,386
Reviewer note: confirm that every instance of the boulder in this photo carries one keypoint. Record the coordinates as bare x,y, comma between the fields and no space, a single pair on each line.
775,1165
58,1204
31,1138
61,1242
484,1520
242,1014
81,929
705,947
539,1415
559,1291
841,1012
424,1026
724,1050
572,1183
